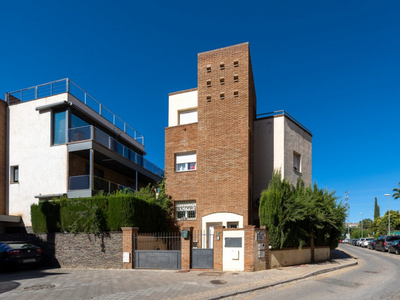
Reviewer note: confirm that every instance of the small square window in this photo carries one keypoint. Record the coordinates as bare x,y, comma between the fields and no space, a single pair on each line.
236,63
222,96
208,98
185,210
14,174
236,78
208,83
236,94
208,68
222,81
222,66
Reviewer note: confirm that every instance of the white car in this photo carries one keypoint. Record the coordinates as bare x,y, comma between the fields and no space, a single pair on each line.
365,241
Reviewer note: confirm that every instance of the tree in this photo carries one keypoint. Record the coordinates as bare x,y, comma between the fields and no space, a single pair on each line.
376,210
396,194
298,216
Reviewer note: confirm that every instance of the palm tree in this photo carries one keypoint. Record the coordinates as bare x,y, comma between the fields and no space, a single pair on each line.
396,194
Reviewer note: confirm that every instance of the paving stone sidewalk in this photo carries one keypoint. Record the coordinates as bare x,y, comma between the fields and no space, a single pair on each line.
152,284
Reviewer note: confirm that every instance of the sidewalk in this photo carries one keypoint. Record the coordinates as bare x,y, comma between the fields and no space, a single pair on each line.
152,284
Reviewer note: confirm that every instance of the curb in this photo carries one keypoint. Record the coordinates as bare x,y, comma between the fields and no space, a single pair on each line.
315,273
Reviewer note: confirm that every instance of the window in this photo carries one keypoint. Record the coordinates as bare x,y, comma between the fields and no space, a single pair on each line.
296,162
185,210
208,83
232,224
236,63
236,94
186,161
14,174
236,78
208,68
187,116
222,66
222,81
208,98
59,127
222,96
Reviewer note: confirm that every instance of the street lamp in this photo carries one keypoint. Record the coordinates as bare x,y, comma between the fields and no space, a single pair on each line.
361,224
389,213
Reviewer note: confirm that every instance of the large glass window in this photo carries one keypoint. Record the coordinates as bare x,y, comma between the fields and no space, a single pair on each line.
59,127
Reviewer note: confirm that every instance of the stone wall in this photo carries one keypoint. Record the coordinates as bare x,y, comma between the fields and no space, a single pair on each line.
68,250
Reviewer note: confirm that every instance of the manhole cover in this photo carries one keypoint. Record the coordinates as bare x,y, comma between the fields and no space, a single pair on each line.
39,287
218,281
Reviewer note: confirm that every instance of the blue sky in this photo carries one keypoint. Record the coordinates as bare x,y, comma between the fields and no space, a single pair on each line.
333,65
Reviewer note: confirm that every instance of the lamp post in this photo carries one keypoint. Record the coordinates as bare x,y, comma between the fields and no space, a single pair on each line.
361,224
389,213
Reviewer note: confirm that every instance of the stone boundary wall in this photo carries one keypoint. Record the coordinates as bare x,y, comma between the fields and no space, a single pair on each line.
295,256
82,250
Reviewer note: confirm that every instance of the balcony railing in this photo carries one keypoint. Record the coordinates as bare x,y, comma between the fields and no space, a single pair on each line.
85,133
68,86
82,182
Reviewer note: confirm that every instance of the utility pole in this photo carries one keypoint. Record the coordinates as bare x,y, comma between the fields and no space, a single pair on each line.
347,205
361,224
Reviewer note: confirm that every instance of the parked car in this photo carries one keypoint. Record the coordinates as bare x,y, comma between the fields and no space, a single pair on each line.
384,241
17,254
354,242
394,247
371,244
366,241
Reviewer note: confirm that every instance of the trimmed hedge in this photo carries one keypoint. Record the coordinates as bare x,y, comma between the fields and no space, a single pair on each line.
98,214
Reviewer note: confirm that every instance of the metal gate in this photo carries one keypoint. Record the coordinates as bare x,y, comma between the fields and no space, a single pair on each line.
157,251
202,251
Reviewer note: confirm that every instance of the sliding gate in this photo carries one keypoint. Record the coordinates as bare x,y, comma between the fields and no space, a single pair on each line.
157,251
202,250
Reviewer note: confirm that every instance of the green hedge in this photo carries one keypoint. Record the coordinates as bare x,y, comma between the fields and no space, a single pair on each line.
98,214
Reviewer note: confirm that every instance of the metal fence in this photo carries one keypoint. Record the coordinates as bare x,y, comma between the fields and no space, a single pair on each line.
202,240
158,241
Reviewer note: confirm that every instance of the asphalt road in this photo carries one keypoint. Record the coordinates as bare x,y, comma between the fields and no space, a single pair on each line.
377,276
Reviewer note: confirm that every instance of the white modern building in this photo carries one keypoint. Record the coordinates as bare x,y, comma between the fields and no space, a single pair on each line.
61,141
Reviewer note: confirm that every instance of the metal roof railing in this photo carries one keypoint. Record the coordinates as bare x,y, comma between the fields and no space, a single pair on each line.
282,112
68,86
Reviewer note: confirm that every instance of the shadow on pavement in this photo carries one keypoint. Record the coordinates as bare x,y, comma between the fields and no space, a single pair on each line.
338,254
8,286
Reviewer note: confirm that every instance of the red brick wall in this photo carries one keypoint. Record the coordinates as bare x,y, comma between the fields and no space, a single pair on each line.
222,138
3,130
225,133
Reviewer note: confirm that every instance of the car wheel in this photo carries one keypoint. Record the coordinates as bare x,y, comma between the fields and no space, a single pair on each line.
397,252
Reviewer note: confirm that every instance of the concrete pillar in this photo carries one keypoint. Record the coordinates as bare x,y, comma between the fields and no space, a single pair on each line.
186,249
218,247
128,241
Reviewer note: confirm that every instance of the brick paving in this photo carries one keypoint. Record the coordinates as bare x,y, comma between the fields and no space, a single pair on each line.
150,284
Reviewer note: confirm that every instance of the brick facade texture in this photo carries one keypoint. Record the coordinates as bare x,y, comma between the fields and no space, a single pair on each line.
222,138
3,131
68,250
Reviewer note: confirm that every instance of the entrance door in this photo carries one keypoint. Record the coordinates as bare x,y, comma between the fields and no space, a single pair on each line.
210,234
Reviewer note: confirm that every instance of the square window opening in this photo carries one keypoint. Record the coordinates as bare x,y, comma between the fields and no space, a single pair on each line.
208,68
208,98
222,66
236,94
236,63
186,161
236,78
222,81
208,83
222,96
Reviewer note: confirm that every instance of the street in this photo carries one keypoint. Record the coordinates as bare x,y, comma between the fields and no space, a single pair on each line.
376,277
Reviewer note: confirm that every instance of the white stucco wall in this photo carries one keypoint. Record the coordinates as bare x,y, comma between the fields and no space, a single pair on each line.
180,101
43,168
222,219
233,257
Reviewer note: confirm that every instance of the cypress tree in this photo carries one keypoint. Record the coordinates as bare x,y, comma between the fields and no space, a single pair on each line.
376,210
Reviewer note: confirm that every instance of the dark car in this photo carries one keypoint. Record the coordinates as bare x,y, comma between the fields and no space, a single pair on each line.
383,242
394,247
371,244
19,254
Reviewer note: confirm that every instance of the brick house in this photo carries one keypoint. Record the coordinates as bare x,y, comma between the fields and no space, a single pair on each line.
219,154
58,140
